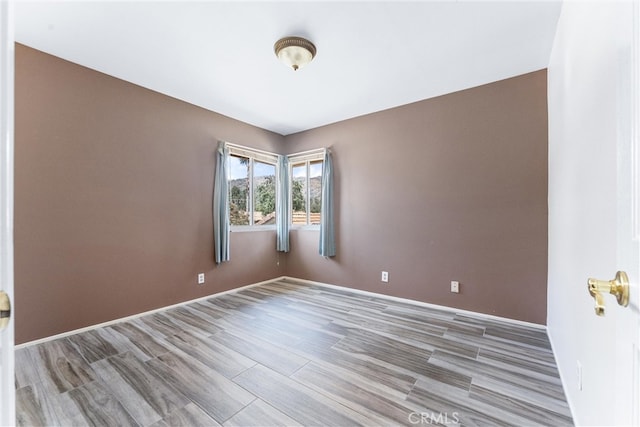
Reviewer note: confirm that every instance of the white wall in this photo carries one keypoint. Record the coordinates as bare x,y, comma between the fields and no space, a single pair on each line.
583,98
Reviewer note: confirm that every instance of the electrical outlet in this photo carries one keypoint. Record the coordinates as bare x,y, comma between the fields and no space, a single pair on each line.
201,279
385,276
455,286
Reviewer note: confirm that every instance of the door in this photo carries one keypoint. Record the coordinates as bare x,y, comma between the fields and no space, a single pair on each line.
7,48
627,320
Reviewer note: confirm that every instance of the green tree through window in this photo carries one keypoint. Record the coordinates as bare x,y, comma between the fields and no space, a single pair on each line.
252,190
266,196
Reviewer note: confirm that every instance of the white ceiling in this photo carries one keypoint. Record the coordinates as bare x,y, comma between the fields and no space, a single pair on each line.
371,55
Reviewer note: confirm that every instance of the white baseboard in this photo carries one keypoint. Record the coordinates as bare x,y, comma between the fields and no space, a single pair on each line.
135,316
424,304
563,378
310,282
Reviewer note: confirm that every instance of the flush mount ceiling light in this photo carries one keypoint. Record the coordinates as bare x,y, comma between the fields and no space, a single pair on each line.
294,52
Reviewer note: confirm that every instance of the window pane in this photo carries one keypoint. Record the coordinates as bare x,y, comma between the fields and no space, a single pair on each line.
238,190
264,193
299,194
315,191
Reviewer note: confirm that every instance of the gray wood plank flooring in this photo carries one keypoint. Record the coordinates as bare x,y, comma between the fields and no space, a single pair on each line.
287,353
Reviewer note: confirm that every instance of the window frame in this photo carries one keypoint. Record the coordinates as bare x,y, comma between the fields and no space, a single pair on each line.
306,158
253,154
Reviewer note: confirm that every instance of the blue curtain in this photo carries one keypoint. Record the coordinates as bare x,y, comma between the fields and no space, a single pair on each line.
282,205
221,205
327,239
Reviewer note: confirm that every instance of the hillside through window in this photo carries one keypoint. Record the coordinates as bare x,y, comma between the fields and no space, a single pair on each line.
306,190
252,188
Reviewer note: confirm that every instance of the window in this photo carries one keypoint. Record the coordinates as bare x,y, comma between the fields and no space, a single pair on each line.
252,187
306,187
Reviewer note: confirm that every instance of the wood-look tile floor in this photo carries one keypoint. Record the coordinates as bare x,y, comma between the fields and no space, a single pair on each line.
286,353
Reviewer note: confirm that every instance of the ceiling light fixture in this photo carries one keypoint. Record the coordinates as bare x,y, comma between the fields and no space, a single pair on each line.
294,52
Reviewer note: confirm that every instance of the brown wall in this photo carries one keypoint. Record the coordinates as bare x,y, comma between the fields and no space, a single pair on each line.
450,188
113,199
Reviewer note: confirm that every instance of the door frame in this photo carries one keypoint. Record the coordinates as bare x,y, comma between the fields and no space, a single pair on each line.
635,208
7,58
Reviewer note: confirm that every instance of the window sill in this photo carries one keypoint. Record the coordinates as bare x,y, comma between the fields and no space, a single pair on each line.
305,227
251,228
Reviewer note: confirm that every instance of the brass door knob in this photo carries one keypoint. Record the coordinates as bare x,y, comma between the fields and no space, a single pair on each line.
5,310
619,287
